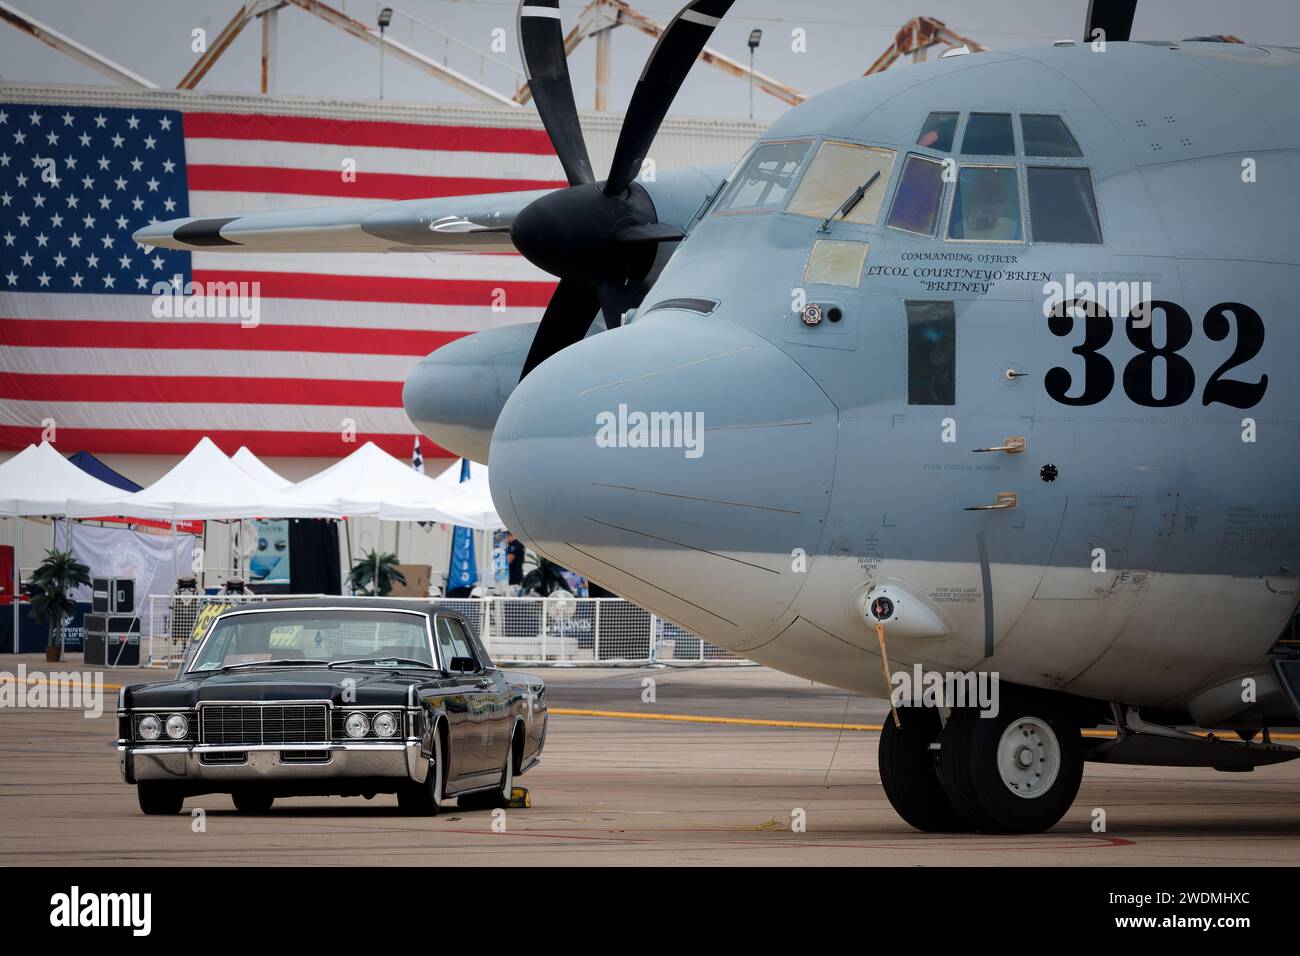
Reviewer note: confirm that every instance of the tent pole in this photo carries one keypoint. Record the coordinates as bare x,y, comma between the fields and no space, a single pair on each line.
347,539
174,572
18,545
63,630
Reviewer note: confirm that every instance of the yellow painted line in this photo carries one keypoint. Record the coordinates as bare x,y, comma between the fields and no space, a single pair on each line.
701,719
672,718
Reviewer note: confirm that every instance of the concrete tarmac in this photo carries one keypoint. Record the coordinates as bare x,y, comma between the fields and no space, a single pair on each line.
643,790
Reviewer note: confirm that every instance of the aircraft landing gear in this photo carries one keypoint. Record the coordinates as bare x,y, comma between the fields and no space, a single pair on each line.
909,771
1017,772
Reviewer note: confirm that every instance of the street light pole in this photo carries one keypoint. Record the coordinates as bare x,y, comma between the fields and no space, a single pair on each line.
385,18
755,37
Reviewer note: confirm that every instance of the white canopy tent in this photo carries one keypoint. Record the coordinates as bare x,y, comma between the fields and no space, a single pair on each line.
205,484
268,476
470,500
40,481
371,482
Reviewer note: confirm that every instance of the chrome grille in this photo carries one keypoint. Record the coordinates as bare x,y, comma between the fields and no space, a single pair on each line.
254,724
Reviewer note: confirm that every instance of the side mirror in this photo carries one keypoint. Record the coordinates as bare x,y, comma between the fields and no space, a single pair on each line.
462,665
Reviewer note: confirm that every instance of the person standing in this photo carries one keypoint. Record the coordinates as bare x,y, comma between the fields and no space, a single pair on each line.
514,560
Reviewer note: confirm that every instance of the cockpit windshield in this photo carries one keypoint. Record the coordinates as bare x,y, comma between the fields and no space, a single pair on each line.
837,171
764,180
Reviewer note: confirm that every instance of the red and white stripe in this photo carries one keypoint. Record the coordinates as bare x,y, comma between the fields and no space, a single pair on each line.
337,334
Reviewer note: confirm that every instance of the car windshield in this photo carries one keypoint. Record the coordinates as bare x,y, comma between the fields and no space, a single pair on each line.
315,637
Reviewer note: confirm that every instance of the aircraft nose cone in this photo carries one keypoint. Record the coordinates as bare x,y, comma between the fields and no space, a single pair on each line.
456,392
678,461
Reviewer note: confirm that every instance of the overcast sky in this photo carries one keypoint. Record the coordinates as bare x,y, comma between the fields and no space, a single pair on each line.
153,38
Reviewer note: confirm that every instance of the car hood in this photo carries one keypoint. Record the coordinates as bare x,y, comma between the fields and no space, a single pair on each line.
360,686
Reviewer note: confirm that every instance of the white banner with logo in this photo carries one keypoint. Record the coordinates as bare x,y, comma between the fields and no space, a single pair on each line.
123,553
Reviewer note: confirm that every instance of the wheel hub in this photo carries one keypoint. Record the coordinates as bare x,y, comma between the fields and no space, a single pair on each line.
1029,757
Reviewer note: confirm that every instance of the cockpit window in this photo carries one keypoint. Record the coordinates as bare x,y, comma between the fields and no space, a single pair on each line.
765,179
938,131
1046,135
919,194
835,172
989,134
1062,206
986,206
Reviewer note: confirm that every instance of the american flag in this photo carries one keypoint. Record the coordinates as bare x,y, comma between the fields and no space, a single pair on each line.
337,334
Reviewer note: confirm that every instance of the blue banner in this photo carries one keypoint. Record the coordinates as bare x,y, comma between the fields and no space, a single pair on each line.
463,570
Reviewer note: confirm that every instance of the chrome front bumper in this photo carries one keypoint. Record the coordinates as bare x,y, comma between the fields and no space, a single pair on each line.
401,758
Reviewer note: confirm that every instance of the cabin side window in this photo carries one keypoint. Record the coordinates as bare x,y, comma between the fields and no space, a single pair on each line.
938,132
1062,207
1047,135
986,205
988,134
931,353
918,197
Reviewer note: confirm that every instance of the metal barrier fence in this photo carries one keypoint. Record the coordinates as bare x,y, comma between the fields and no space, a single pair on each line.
524,630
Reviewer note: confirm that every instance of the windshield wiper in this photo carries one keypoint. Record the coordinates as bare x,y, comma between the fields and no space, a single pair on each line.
272,663
410,661
847,206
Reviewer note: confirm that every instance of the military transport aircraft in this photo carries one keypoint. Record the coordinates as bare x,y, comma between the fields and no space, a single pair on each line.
993,359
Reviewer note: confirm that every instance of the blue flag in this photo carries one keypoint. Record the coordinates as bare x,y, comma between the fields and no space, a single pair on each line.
463,570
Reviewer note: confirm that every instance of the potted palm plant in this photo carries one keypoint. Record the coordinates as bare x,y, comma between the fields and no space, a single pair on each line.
58,575
375,568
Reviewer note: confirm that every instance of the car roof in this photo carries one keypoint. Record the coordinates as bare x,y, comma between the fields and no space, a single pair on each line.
420,605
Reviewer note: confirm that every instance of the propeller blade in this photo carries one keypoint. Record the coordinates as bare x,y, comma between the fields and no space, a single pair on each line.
650,232
1115,17
568,316
541,40
664,72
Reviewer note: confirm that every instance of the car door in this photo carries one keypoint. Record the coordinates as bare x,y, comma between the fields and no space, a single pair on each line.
464,731
498,696
489,701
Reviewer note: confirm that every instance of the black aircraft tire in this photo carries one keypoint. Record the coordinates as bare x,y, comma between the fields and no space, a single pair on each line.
909,773
972,747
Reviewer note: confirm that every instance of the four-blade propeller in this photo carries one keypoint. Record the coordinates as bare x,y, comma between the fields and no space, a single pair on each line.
600,239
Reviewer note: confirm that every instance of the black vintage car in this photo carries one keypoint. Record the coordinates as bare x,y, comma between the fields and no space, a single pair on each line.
333,696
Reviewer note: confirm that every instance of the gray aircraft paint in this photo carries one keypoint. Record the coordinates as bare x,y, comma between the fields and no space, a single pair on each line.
811,443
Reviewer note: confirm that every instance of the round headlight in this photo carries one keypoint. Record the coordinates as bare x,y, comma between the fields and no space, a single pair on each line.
150,727
356,724
385,724
177,726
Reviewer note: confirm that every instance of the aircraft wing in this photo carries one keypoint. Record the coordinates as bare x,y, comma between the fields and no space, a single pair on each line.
478,223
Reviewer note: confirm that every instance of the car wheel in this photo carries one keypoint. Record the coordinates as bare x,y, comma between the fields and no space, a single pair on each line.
252,800
500,797
1014,773
424,799
161,799
909,773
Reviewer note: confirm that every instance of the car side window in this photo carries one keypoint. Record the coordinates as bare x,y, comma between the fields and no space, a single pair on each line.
451,641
